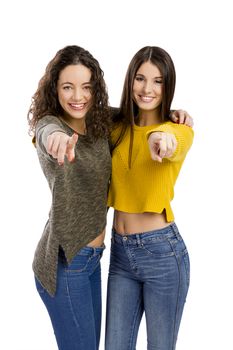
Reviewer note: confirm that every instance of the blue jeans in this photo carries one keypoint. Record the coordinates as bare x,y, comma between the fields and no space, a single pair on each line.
148,272
75,310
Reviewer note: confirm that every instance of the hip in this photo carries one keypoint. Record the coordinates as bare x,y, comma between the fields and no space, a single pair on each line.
150,254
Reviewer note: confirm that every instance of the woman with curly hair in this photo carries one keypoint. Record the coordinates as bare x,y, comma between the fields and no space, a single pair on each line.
70,119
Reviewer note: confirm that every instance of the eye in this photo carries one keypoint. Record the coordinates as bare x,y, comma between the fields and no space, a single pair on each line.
87,87
139,78
158,81
67,87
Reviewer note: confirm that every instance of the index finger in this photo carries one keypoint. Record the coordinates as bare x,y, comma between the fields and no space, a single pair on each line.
72,142
71,146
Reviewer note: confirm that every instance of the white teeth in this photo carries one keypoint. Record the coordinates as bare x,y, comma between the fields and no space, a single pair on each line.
146,98
75,105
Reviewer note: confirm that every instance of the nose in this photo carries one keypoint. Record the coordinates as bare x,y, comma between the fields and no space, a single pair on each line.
77,94
147,87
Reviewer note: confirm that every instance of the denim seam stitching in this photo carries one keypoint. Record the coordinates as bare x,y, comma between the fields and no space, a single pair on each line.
131,339
96,266
177,299
72,309
70,271
184,256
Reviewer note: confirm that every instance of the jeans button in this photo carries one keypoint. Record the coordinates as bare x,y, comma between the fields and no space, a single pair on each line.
125,238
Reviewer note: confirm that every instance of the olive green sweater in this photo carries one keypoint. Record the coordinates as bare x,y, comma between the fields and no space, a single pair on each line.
79,195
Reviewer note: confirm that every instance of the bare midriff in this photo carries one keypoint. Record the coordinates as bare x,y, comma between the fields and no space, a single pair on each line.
130,223
98,241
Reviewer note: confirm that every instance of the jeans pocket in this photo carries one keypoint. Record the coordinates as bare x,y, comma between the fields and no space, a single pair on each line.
86,258
78,264
158,249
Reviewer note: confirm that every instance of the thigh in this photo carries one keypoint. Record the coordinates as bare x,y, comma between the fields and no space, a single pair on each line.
165,290
124,305
84,283
160,302
96,291
71,309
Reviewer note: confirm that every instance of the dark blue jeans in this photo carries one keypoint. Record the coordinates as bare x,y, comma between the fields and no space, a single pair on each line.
149,272
75,310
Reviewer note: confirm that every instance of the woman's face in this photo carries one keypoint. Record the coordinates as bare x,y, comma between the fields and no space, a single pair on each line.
147,87
74,91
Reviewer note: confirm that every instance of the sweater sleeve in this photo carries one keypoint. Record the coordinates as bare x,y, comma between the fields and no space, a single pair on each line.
184,137
45,127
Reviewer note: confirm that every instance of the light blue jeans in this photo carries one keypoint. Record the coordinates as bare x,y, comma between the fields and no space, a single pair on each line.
75,310
148,272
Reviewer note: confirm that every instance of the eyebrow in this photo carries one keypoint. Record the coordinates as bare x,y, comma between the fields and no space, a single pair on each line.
142,75
68,82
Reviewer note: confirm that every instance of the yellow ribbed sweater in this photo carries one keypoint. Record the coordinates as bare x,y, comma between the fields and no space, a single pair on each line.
149,185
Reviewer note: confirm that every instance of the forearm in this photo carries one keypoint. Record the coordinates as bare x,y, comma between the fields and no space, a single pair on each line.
46,130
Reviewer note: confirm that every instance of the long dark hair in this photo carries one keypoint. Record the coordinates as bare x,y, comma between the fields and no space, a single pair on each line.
128,108
45,100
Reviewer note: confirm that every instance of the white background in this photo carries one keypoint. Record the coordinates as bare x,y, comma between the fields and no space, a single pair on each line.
198,36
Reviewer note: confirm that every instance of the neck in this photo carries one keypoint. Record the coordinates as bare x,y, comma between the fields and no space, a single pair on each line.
78,126
146,118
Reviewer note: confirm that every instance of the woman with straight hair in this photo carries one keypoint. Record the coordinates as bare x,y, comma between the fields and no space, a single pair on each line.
149,262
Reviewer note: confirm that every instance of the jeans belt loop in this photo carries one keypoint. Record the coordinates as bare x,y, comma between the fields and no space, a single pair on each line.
138,240
175,231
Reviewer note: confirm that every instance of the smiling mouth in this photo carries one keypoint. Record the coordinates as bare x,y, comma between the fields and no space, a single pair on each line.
146,99
77,106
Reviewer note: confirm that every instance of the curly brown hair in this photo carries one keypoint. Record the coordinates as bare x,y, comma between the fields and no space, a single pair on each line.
45,100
